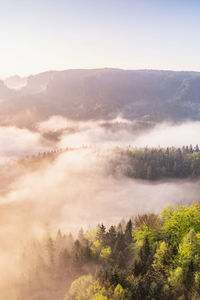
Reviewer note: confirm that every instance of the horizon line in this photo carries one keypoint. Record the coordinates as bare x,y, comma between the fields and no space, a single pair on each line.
93,69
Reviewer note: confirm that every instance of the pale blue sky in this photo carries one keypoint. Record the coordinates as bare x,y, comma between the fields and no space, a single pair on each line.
41,35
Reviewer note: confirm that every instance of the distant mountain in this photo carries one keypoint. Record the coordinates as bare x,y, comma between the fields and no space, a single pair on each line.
147,95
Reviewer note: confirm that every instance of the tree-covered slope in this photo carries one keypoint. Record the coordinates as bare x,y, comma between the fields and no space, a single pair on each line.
148,257
105,93
157,163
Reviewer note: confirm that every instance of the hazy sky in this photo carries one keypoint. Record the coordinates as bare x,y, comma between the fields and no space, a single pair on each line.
38,35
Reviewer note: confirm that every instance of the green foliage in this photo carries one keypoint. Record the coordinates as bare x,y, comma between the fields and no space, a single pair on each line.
85,287
146,226
176,277
120,293
151,257
158,163
105,253
162,258
179,222
189,249
78,289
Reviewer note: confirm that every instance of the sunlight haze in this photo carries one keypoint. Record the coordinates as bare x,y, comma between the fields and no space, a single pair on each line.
36,36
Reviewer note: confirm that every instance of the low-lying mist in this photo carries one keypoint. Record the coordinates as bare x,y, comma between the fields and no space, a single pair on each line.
122,132
58,132
75,189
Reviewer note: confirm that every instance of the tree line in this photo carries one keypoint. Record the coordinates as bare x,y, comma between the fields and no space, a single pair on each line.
157,163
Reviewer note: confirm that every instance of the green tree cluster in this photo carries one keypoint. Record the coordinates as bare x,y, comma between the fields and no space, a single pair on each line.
148,257
157,163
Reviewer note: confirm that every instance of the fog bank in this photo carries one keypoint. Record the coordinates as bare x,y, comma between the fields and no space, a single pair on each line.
75,189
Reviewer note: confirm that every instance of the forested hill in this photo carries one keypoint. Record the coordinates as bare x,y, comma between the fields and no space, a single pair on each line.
149,257
151,96
157,163
141,163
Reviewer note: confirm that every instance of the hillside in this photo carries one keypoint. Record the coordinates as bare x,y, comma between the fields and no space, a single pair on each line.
147,95
148,257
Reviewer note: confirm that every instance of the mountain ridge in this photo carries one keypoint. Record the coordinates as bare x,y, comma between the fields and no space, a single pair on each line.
93,94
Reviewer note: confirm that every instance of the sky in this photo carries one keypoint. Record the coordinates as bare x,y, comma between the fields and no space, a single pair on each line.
37,36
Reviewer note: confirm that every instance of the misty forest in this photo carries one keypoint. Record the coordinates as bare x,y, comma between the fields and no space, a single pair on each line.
100,185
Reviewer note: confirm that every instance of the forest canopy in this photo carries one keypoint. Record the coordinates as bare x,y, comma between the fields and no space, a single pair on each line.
158,163
148,257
